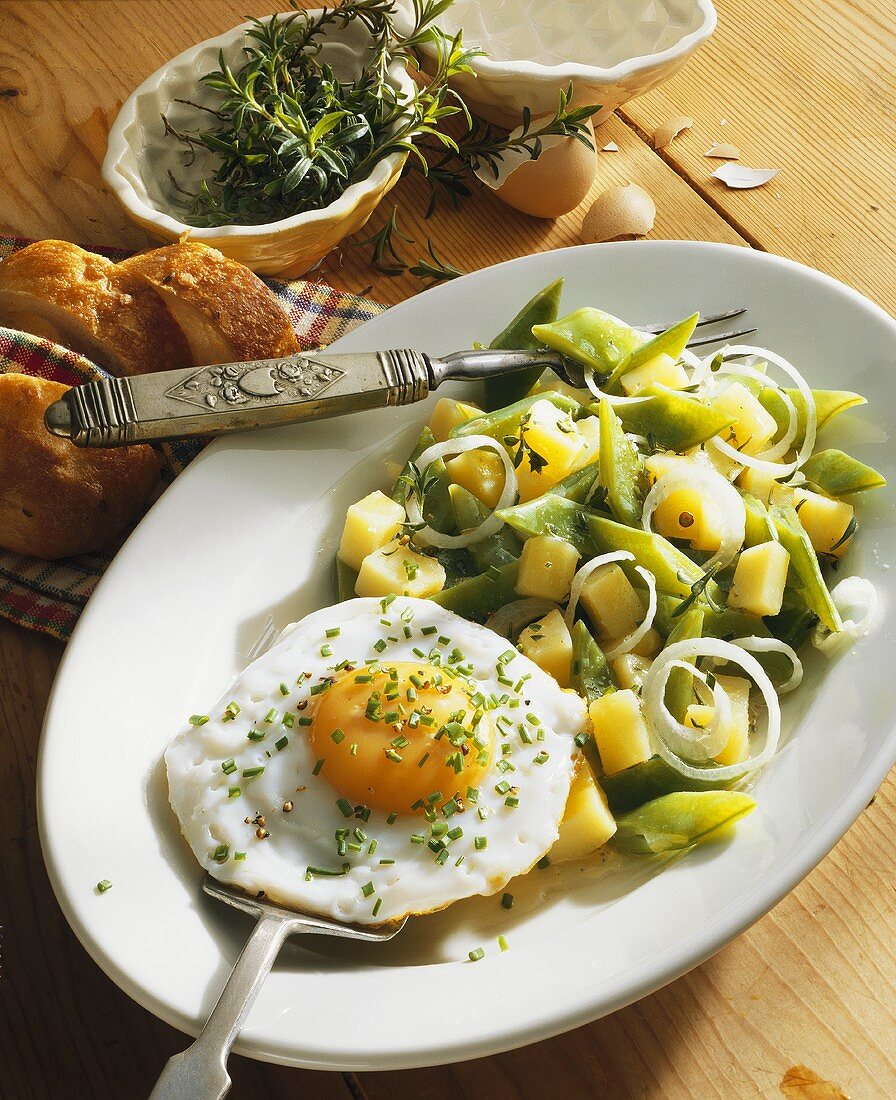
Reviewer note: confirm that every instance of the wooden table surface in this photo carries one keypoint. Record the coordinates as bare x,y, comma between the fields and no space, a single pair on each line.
802,85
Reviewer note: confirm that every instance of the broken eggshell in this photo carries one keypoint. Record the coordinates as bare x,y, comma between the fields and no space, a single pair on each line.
740,177
668,131
553,184
723,151
618,213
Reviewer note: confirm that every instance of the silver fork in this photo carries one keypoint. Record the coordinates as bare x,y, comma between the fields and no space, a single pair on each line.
261,393
200,1071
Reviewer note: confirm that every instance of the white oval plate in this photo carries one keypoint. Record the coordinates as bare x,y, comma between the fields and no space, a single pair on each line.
250,530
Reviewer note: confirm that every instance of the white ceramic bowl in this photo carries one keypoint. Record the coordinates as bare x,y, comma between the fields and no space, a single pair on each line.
610,50
140,157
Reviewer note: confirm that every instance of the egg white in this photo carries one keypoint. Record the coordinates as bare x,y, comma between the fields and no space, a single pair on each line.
214,822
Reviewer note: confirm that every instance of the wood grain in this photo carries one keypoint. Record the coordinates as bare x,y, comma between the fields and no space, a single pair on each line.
807,88
814,982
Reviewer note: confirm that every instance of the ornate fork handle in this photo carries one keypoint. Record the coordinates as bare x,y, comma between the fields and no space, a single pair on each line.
261,393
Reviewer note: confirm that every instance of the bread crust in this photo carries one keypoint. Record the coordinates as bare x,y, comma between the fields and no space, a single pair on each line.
224,299
60,291
56,499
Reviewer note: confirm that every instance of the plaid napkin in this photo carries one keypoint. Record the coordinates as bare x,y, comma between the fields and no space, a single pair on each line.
48,596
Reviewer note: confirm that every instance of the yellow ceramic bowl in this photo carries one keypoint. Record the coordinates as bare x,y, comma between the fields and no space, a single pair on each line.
139,159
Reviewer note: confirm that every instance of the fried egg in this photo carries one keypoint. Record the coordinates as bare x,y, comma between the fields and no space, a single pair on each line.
383,758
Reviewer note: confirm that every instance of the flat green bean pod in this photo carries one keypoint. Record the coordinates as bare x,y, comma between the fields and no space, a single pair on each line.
839,474
541,309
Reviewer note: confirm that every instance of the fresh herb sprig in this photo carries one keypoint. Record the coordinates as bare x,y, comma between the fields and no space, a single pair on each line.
386,257
289,135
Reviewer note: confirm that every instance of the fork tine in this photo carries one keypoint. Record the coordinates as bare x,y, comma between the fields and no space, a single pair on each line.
720,338
710,319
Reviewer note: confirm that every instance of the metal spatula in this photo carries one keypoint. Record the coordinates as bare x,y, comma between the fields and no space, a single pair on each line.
200,1072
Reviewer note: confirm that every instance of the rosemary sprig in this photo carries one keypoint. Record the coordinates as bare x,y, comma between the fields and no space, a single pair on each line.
288,135
385,256
698,589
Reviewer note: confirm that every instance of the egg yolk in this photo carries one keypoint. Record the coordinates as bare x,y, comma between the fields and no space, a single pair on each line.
400,738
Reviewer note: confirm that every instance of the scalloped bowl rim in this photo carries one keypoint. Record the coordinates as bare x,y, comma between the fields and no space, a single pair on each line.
573,70
119,149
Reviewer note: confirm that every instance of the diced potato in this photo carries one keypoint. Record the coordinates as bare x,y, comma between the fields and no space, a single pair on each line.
759,579
449,414
686,514
757,483
630,670
587,822
612,603
663,462
753,426
554,437
369,524
649,645
548,643
824,520
662,369
547,566
589,429
737,747
399,569
480,472
620,731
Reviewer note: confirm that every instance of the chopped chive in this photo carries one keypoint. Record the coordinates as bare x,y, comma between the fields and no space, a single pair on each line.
377,905
250,773
305,720
502,943
229,766
543,863
541,757
379,645
503,787
363,678
327,872
392,818
387,862
103,885
239,856
372,847
483,812
387,601
255,735
394,756
478,954
429,630
418,652
582,739
316,689
354,846
480,843
271,715
367,889
507,901
364,814
353,748
442,857
230,712
345,807
288,719
456,833
234,792
473,795
326,651
316,770
452,806
284,689
512,801
281,743
198,719
221,853
337,735
459,861
418,838
332,632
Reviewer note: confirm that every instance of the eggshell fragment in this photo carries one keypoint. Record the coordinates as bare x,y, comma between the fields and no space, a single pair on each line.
740,177
553,184
610,147
722,151
619,212
668,131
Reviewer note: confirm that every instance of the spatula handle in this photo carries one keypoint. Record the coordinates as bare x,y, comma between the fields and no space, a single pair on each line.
200,1071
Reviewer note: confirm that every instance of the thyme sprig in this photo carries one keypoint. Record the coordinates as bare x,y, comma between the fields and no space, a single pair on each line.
290,135
699,588
386,257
